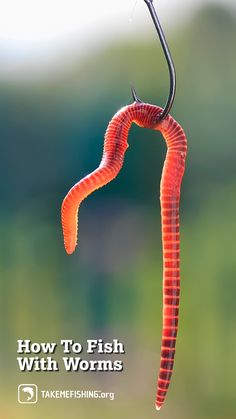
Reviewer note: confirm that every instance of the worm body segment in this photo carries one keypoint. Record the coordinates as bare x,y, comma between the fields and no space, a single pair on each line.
115,145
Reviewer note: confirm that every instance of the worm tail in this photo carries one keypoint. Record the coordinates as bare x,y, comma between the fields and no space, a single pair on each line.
170,195
72,201
115,146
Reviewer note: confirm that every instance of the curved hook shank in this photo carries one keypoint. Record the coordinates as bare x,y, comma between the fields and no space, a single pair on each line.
115,145
169,60
168,57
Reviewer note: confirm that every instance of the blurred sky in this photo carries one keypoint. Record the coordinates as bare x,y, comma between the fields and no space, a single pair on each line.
38,32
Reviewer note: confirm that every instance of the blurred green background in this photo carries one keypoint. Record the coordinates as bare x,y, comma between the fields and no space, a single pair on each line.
51,132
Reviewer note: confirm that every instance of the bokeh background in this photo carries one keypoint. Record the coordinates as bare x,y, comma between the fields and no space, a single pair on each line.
65,70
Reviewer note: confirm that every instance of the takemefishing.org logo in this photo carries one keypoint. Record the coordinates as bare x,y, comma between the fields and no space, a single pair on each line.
27,393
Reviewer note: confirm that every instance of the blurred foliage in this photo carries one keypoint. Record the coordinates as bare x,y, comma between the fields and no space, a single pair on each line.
51,135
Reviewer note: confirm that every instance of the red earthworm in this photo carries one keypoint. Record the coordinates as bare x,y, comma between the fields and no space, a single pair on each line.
115,145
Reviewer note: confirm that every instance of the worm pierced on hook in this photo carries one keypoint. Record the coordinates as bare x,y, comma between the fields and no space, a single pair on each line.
115,146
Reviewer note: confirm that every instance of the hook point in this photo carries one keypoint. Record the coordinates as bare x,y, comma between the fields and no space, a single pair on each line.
134,95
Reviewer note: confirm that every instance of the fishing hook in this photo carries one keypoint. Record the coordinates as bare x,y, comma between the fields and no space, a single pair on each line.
169,60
